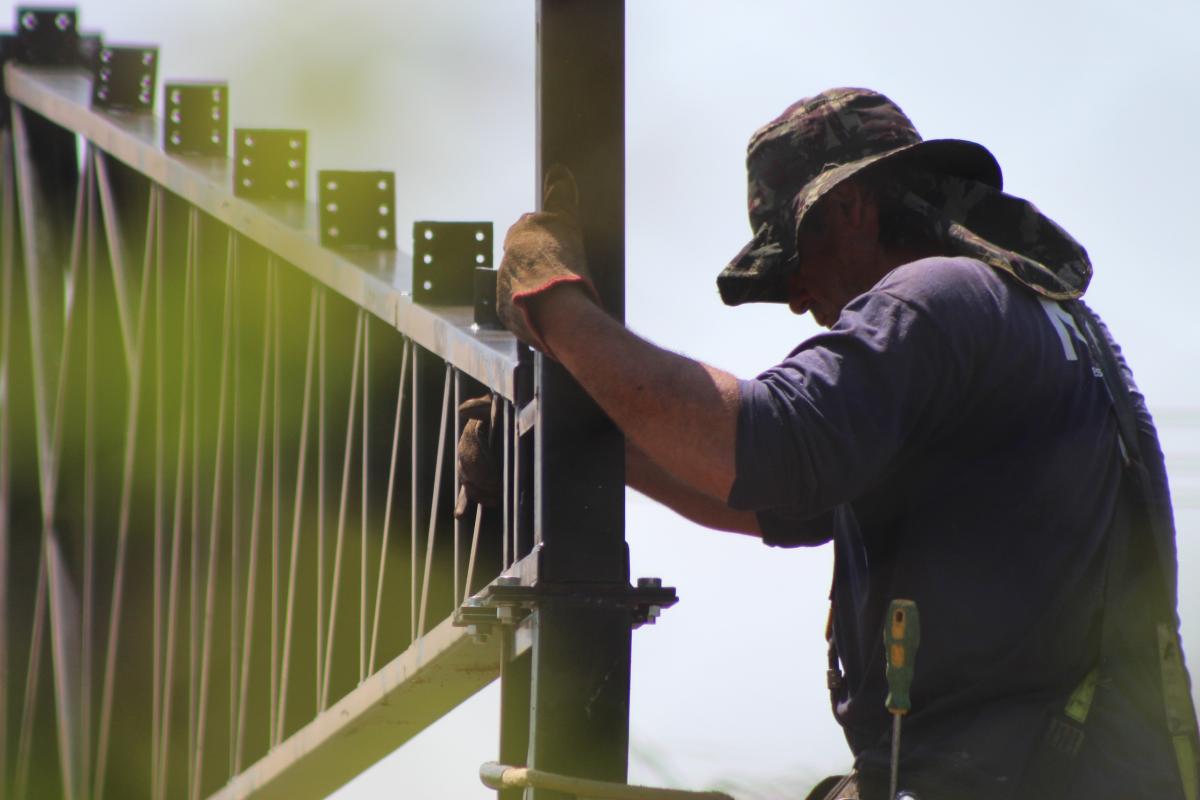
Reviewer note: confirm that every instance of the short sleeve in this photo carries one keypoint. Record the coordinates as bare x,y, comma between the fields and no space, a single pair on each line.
832,419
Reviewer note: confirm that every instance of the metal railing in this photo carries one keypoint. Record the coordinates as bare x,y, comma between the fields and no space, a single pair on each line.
242,445
228,564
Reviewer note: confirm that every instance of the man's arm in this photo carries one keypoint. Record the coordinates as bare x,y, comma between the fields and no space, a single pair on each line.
656,483
679,412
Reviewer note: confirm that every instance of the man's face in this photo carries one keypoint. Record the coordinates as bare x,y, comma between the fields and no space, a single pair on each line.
839,256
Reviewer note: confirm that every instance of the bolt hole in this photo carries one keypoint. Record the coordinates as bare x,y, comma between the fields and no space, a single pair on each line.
174,97
428,259
216,114
383,211
62,21
246,162
247,182
147,58
216,137
105,56
176,117
294,144
334,232
383,185
428,285
332,186
332,208
383,233
479,259
144,98
428,233
216,95
102,93
248,141
176,139
479,236
29,21
292,183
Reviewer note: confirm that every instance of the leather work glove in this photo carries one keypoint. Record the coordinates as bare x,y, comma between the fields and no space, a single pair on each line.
542,250
478,462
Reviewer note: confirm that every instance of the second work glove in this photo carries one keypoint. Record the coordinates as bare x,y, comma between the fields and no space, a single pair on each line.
541,251
478,463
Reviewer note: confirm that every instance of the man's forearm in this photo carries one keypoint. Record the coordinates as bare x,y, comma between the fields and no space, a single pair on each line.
680,412
656,483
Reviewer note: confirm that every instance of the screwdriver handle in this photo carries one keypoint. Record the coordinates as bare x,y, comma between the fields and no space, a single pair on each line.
901,635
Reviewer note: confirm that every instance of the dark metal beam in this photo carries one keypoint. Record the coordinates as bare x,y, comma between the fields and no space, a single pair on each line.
580,657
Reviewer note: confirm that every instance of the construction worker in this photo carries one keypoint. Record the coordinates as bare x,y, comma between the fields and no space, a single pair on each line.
965,433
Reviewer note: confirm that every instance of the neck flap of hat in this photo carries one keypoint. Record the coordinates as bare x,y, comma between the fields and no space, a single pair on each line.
1008,233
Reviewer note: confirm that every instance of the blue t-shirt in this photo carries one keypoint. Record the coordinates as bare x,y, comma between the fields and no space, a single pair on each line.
951,438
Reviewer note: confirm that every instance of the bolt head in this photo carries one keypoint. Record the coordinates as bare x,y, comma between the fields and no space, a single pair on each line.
649,583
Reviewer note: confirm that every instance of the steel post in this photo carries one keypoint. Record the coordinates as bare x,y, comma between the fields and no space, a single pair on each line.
580,655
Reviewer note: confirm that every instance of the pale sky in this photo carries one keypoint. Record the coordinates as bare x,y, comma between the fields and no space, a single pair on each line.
1090,107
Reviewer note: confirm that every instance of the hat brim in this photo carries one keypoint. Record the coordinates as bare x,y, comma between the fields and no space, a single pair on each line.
757,274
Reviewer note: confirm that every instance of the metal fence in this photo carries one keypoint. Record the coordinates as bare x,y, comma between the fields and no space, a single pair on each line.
228,563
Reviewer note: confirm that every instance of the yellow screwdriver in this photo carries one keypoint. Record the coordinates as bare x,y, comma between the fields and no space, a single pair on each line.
901,635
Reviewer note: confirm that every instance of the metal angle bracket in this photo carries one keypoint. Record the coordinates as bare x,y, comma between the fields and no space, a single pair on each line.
196,118
269,163
47,36
125,77
445,256
357,209
506,601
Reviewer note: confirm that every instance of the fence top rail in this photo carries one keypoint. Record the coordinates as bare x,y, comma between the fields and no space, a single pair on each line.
377,281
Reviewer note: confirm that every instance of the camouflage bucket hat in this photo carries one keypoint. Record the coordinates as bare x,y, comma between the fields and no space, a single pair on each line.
970,218
815,144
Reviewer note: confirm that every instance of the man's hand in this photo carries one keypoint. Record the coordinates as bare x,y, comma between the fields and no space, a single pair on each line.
478,465
541,251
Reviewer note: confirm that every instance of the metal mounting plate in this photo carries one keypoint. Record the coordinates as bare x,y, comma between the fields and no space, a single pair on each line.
125,78
270,163
196,118
357,209
445,255
47,36
485,298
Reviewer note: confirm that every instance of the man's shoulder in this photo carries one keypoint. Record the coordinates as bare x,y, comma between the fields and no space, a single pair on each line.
949,288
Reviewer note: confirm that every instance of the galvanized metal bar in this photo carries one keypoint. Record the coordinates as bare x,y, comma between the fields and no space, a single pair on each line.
413,531
132,417
364,486
7,232
387,511
168,679
378,281
235,520
64,648
341,528
276,444
319,638
156,203
89,507
32,674
210,586
269,312
390,707
116,251
435,505
193,255
297,509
